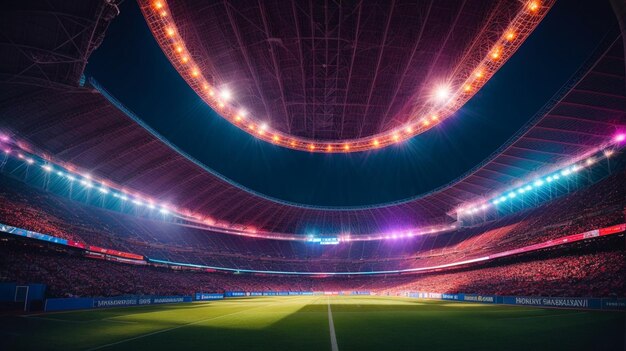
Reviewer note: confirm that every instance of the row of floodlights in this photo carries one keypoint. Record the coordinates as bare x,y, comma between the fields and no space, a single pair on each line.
86,181
539,182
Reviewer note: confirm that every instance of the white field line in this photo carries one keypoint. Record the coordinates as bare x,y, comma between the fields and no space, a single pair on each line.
331,325
174,328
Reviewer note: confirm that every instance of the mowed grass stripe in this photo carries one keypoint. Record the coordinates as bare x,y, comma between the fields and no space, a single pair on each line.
177,327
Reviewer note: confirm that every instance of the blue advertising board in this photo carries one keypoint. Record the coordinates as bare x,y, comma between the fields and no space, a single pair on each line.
535,301
103,302
209,296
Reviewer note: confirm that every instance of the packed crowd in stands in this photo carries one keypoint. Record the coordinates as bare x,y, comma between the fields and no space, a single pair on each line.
591,270
23,206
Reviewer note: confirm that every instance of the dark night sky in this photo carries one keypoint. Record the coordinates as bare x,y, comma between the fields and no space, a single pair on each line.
131,66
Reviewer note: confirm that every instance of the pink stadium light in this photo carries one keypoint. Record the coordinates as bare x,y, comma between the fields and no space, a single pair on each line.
620,137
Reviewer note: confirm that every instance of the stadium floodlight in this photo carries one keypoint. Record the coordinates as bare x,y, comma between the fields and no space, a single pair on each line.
566,172
30,161
442,93
164,210
528,187
512,195
60,174
502,198
556,177
47,168
103,190
620,137
549,179
538,182
226,95
124,197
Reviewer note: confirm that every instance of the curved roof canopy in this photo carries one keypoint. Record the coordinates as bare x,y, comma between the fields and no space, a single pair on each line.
343,76
85,127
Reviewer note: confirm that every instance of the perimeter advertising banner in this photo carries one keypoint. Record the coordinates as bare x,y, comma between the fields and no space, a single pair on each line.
535,301
104,302
566,302
209,296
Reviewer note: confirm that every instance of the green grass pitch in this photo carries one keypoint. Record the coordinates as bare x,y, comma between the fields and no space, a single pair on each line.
302,323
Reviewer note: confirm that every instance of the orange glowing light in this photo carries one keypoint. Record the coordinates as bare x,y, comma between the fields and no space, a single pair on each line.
426,122
479,74
409,129
533,6
396,137
510,35
467,87
238,118
275,138
376,143
179,49
311,147
346,147
185,59
329,148
495,54
434,117
158,5
170,31
195,72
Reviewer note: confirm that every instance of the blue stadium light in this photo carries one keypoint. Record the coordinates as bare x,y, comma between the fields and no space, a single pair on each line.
549,179
164,210
124,197
556,177
71,178
502,198
566,172
103,190
60,174
528,187
538,182
47,168
512,195
521,190
137,202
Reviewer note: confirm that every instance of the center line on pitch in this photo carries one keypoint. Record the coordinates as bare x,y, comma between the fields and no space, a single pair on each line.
331,325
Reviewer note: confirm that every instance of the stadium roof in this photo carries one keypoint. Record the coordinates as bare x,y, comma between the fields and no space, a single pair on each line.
48,42
344,77
86,127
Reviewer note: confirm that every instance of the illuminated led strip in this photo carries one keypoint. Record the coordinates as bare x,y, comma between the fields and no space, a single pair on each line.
564,240
555,176
70,173
164,29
